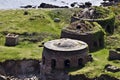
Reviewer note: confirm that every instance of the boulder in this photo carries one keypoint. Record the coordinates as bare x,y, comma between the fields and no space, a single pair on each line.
82,5
114,54
26,12
117,49
88,4
27,6
2,78
45,5
106,77
57,20
111,68
73,4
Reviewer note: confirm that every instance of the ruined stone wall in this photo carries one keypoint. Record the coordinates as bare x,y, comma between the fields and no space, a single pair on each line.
107,23
61,56
94,40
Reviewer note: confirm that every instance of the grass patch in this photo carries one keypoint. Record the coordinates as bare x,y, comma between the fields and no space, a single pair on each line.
35,28
96,68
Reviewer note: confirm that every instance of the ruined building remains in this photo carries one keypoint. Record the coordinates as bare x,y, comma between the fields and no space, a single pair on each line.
11,40
63,53
102,16
89,32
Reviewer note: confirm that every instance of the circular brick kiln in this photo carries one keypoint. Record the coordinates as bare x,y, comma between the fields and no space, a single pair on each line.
89,32
103,16
64,53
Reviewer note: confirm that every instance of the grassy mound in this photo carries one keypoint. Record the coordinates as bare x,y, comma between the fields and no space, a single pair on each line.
35,26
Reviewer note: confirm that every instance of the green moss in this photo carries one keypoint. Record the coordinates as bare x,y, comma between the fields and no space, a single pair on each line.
113,41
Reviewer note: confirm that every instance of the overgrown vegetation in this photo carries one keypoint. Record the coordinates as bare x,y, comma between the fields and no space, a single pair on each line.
101,12
38,26
34,27
84,27
96,68
113,41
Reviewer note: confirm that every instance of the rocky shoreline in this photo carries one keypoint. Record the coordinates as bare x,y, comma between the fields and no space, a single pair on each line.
17,4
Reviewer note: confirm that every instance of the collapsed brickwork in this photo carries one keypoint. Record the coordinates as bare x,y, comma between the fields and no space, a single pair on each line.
89,32
97,14
11,39
64,53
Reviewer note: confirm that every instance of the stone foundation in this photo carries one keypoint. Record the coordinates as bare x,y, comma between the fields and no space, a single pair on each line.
11,40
